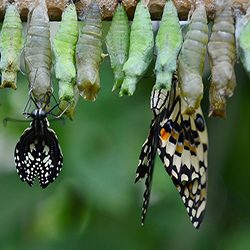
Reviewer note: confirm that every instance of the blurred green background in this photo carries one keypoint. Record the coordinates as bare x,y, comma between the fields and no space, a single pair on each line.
94,203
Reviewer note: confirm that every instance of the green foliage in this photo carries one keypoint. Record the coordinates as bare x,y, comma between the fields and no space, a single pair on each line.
11,43
140,50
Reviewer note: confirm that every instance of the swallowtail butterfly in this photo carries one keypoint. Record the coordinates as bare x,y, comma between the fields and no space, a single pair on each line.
181,142
38,154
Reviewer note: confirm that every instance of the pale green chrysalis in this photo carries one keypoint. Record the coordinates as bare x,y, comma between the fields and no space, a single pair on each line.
37,54
11,43
117,42
244,42
140,50
222,56
89,53
63,48
168,44
191,60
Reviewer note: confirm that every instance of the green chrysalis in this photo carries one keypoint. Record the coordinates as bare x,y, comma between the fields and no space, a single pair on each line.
222,53
63,48
168,44
192,58
117,42
244,42
37,53
11,43
89,53
140,50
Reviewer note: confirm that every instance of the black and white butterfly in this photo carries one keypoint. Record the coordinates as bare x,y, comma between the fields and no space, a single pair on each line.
38,153
181,142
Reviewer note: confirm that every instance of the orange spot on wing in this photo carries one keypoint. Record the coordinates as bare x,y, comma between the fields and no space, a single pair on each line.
179,148
164,134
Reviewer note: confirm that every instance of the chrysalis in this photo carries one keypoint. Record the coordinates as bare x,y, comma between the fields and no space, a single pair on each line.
117,42
89,53
244,42
181,142
192,58
140,50
63,48
222,55
11,43
168,44
37,53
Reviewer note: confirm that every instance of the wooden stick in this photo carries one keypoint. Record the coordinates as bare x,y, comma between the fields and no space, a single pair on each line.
56,7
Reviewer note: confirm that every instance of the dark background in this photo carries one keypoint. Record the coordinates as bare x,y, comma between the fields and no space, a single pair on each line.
94,203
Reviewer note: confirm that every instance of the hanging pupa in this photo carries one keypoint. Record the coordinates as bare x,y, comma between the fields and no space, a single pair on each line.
244,42
117,42
89,53
11,44
222,56
63,48
191,59
140,50
37,54
168,44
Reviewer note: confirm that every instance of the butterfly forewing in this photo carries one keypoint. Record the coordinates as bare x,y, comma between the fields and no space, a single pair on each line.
38,155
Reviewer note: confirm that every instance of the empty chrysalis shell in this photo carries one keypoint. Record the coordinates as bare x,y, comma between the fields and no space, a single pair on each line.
140,50
11,43
192,58
222,55
37,53
89,53
244,42
168,44
117,42
63,47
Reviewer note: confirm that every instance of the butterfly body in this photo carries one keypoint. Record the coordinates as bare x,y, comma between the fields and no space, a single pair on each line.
38,154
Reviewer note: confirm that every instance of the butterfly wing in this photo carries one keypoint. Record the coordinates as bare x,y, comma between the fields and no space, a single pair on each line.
24,156
51,159
38,156
183,150
146,166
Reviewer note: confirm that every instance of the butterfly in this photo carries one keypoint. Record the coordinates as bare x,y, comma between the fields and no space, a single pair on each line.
181,142
38,153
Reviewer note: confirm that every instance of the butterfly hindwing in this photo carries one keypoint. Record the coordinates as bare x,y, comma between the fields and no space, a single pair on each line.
183,150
